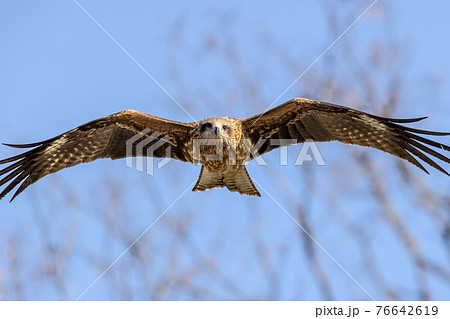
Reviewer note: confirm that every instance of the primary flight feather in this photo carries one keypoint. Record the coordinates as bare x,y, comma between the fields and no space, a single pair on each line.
132,133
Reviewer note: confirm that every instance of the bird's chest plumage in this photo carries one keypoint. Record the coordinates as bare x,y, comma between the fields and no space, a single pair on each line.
221,157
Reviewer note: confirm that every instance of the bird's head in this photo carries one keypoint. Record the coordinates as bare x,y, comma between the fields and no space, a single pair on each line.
218,127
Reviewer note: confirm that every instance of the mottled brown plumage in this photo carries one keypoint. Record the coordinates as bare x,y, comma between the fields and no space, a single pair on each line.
221,145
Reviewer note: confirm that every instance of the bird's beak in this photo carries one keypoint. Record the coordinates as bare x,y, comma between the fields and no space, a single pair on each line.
216,130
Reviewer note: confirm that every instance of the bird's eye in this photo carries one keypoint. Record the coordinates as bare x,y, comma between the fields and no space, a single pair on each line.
206,125
224,127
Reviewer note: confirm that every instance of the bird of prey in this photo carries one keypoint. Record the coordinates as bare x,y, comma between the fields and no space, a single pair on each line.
222,145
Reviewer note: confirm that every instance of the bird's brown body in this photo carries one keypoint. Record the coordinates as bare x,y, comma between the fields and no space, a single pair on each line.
222,145
219,149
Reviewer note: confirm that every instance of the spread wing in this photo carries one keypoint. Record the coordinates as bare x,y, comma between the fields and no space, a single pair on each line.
106,137
301,119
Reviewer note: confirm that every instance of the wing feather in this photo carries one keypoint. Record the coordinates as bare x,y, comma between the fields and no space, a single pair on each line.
103,138
428,141
304,119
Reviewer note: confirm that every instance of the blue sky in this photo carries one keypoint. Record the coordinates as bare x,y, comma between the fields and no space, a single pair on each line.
60,70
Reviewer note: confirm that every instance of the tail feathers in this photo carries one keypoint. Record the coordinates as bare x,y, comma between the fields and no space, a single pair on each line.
241,183
208,180
238,181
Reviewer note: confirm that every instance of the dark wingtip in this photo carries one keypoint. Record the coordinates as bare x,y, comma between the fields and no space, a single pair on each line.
14,196
416,119
23,145
3,194
423,168
10,145
395,120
